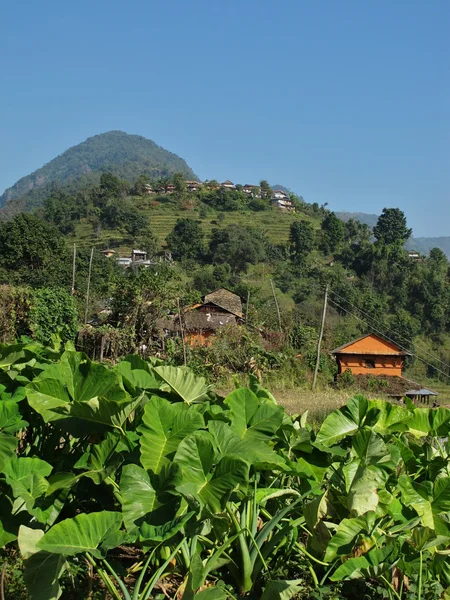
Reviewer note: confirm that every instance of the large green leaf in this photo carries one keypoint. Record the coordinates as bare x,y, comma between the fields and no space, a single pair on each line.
348,530
76,378
283,589
164,426
441,500
162,533
372,564
19,472
211,486
44,395
86,380
366,473
101,411
343,422
10,417
419,497
8,445
98,462
251,418
256,452
138,495
42,570
212,593
184,383
390,417
83,533
138,378
428,421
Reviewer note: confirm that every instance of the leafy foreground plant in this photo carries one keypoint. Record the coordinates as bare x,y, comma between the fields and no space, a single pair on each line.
212,497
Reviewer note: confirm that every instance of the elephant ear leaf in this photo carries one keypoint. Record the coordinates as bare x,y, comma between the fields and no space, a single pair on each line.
343,422
282,590
211,487
250,417
186,385
83,533
164,426
41,569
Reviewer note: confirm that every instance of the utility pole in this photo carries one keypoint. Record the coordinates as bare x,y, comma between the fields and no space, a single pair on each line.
246,307
88,287
319,343
182,332
276,304
73,268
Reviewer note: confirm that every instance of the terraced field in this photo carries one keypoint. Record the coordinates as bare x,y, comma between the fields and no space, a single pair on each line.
163,218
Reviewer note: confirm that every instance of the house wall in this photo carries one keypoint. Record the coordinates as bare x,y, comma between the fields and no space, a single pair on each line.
384,364
199,338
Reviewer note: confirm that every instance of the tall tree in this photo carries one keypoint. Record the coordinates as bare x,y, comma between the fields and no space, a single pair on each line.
180,186
332,233
185,241
301,239
238,246
391,227
265,189
28,244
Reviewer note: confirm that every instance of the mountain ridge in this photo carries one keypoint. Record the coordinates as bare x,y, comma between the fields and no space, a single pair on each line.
124,155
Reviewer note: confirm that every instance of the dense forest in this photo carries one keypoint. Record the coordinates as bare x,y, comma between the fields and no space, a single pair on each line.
374,283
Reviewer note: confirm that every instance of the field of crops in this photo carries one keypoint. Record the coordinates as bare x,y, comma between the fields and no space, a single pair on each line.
138,481
163,218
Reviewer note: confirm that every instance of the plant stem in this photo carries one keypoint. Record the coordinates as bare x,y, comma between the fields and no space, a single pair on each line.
246,576
419,591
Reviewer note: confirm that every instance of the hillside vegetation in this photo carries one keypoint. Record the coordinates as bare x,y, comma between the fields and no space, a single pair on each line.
200,237
124,155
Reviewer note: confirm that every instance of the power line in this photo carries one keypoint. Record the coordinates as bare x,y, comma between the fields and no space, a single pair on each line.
397,334
390,340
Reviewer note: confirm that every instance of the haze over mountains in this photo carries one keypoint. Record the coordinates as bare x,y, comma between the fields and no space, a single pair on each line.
127,156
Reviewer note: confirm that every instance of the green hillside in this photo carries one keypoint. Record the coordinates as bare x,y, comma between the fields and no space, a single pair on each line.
124,155
163,217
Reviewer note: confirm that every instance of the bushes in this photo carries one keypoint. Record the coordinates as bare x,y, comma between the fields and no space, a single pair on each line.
214,497
53,313
42,314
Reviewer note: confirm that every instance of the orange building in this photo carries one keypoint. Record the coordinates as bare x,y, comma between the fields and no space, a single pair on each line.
370,355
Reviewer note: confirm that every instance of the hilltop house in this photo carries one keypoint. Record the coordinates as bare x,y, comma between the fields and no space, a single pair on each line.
370,355
138,255
228,185
108,252
251,190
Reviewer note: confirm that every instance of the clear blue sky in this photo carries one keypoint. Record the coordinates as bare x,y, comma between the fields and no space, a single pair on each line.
343,102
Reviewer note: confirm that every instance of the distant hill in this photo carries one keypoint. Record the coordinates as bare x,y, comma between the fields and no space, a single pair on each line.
425,244
366,218
126,156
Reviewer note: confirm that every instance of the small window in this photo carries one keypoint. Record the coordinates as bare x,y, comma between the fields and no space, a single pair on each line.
370,363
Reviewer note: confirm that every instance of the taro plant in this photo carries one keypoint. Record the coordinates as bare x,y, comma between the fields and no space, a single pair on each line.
214,497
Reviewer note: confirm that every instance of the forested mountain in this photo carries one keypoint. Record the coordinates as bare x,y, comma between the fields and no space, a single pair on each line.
124,155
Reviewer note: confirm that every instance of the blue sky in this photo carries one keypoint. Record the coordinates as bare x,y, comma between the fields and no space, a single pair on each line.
343,102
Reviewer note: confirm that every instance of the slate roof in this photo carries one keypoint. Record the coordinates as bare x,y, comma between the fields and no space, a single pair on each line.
226,299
